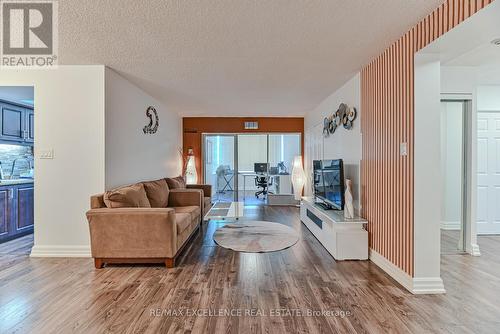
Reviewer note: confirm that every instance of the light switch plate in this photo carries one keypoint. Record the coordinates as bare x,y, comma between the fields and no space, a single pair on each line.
47,154
403,149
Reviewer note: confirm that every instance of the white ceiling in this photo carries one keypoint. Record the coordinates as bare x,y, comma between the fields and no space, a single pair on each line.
484,55
234,57
469,44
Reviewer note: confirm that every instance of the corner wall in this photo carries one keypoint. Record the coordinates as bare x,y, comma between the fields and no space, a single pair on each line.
69,119
131,155
92,119
343,144
427,174
387,90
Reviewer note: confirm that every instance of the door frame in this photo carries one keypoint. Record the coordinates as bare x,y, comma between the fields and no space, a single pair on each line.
235,159
467,192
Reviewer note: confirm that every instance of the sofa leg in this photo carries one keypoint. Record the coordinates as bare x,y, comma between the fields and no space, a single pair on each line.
170,262
98,263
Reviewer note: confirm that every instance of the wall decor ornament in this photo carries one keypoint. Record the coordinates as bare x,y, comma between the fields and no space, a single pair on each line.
348,206
326,126
344,116
154,121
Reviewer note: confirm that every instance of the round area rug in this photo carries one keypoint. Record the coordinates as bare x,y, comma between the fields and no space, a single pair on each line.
255,236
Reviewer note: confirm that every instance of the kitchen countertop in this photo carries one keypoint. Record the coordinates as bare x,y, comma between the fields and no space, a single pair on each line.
15,182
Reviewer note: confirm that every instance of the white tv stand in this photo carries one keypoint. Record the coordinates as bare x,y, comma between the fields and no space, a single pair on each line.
344,239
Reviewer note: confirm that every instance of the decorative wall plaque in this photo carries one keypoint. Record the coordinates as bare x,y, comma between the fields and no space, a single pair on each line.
154,122
343,116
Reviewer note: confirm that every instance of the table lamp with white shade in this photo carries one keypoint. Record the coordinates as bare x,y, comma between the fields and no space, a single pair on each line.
191,173
298,177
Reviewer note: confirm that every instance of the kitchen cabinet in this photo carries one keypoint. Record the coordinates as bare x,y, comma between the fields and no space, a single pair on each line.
4,213
16,210
30,126
16,123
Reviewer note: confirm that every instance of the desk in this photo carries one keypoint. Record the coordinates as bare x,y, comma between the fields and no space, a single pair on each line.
245,175
280,182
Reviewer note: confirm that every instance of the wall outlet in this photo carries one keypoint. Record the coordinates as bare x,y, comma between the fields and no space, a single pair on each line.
47,154
403,149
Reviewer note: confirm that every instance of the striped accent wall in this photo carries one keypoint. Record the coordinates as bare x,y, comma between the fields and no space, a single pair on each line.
387,102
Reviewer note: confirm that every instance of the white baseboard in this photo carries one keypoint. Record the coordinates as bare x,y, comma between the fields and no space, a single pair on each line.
392,270
452,226
428,286
474,251
420,285
60,251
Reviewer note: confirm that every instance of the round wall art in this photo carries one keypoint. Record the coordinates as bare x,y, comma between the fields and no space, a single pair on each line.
344,116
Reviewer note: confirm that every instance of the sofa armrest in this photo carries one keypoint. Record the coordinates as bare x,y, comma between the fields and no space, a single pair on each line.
185,197
207,188
132,232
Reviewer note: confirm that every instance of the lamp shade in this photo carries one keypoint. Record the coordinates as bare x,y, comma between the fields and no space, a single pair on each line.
191,173
298,177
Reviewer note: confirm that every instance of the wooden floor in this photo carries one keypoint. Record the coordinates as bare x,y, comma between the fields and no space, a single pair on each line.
248,197
450,242
69,296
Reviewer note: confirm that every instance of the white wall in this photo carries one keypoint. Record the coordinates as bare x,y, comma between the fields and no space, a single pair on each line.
131,155
488,98
451,163
92,119
69,119
427,175
343,144
458,79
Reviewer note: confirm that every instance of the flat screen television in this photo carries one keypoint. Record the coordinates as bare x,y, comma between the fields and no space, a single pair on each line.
328,176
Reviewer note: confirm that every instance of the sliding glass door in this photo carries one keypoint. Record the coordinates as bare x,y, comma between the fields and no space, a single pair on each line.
229,165
219,166
252,149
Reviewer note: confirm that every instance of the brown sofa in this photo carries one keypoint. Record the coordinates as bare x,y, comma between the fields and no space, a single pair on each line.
147,222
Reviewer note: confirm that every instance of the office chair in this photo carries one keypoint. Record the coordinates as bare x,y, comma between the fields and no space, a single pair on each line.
263,182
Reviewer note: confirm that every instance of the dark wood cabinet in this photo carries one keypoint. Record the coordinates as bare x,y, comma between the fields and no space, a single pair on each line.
12,122
16,123
25,204
30,126
16,210
4,213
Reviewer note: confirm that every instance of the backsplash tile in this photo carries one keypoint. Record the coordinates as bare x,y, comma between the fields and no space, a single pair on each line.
8,153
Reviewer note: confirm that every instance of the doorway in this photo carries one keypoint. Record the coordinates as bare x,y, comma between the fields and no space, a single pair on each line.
455,135
17,139
230,160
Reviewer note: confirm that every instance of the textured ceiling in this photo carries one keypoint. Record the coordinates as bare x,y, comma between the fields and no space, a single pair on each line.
234,57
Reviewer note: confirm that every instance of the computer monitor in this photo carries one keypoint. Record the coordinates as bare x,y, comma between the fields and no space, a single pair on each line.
260,167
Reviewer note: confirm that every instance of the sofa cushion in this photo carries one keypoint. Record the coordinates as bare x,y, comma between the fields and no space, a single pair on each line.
194,211
133,196
183,221
176,182
157,192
